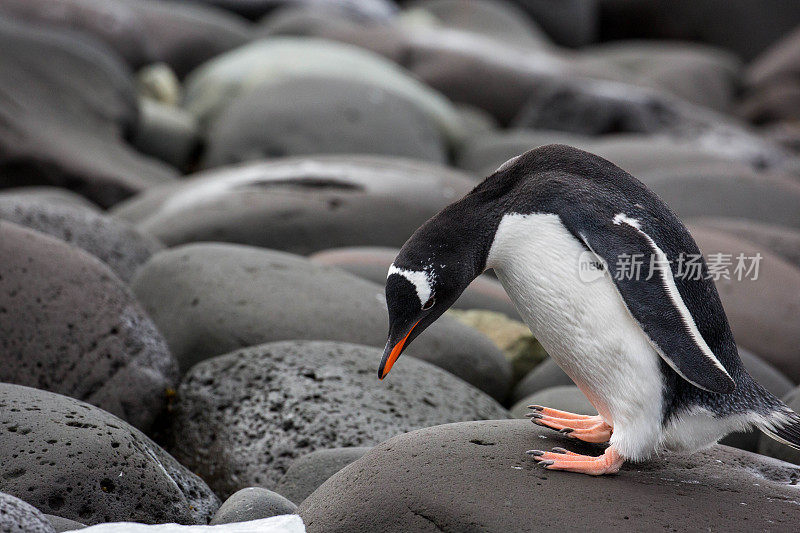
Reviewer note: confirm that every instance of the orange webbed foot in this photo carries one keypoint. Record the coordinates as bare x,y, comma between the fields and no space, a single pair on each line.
583,427
560,459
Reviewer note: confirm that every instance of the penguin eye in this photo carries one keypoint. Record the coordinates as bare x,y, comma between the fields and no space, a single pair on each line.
430,303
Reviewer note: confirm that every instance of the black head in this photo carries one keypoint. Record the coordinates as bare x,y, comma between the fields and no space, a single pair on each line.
429,274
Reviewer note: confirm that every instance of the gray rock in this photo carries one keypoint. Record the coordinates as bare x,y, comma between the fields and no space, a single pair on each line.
73,104
372,264
565,398
240,419
742,26
771,447
776,102
141,31
55,195
763,313
16,516
546,374
781,240
167,132
71,326
362,10
641,155
212,87
572,23
252,503
118,244
210,299
490,484
541,89
499,19
300,205
724,190
699,74
63,524
599,107
779,62
309,471
65,456
319,115
476,121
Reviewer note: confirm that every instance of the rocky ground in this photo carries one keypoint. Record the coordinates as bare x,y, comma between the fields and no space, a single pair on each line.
199,201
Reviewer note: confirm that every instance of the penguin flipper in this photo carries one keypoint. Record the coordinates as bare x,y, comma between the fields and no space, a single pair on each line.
655,302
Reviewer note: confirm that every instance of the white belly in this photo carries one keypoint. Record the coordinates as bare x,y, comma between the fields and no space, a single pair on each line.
584,326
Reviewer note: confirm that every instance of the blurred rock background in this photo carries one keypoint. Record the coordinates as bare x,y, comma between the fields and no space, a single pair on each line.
199,201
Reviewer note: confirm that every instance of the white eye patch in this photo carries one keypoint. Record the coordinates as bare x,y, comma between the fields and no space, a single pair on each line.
418,278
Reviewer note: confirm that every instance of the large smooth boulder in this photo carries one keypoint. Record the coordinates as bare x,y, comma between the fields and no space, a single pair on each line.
372,263
702,75
725,190
115,242
240,419
781,240
519,345
363,10
742,26
45,193
73,104
475,476
536,88
210,299
252,503
300,205
65,457
776,103
69,325
641,155
547,374
141,31
309,471
318,115
763,312
567,398
573,23
213,86
499,19
778,63
16,516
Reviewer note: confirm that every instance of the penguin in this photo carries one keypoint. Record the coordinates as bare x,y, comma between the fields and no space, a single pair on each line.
653,353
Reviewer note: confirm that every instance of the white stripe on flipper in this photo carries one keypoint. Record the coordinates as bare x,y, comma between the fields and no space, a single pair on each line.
419,278
672,290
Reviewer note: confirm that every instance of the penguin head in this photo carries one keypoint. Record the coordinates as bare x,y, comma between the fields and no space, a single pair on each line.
426,278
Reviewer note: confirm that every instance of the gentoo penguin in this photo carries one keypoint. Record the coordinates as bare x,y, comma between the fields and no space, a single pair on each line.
653,353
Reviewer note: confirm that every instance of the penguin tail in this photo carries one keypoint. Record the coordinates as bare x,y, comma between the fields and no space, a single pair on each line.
783,425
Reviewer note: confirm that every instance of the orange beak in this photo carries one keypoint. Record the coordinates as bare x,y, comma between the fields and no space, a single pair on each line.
391,353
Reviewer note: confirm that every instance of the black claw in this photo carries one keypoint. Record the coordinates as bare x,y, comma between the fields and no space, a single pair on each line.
545,464
536,407
535,453
559,450
534,415
566,431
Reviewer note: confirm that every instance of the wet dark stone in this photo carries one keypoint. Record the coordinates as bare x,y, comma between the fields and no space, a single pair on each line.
69,325
72,459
